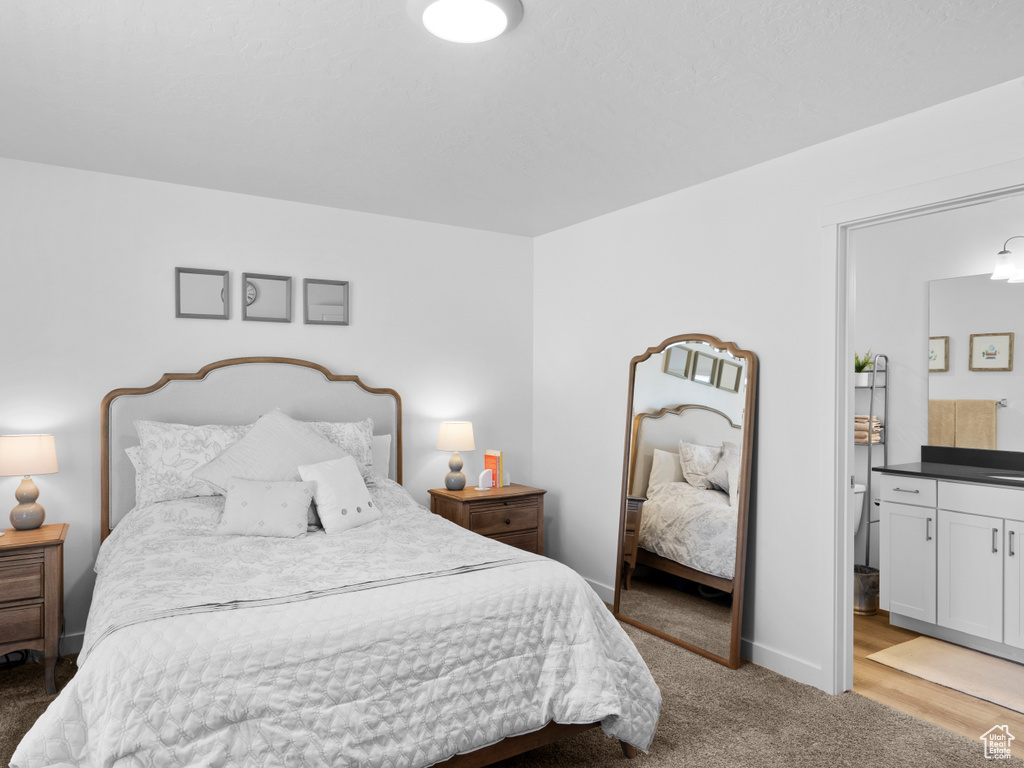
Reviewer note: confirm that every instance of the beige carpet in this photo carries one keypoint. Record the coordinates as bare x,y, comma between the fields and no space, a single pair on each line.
711,717
976,674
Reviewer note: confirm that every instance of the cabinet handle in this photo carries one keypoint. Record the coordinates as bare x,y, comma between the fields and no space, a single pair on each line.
927,528
1011,553
906,490
995,535
508,521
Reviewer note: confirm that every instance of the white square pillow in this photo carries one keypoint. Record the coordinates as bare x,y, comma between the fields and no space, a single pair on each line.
272,450
170,453
696,461
664,469
342,500
261,508
719,476
356,437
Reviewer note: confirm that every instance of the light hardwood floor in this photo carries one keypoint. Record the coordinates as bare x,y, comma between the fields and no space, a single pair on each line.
933,703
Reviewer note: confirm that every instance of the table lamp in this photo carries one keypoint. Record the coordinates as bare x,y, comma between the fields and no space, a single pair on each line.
27,455
455,436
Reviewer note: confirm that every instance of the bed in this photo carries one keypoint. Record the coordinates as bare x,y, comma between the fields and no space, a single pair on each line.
405,641
678,528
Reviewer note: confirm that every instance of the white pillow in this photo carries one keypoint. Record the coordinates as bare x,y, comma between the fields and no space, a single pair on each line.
696,461
272,450
342,500
356,437
260,508
719,476
381,451
170,453
136,458
664,469
734,486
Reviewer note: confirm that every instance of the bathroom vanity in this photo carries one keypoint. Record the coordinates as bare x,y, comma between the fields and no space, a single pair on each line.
951,547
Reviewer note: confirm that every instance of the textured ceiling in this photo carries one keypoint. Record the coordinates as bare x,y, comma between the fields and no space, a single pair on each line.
586,107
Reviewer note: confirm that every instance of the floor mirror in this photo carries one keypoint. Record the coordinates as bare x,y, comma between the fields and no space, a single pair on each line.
686,490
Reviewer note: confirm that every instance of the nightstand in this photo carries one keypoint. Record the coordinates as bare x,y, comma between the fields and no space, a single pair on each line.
631,537
513,514
32,593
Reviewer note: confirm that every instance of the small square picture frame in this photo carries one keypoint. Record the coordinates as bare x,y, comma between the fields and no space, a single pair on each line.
703,369
266,298
729,377
677,361
325,302
938,354
991,352
199,293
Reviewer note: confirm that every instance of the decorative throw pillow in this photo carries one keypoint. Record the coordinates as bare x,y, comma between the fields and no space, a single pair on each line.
170,453
272,450
719,476
696,461
356,437
381,450
664,469
261,508
342,499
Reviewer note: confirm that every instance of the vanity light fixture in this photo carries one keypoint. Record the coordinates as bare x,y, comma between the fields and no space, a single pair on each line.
1005,268
466,21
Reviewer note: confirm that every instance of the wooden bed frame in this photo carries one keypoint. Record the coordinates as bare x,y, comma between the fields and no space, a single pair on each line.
159,403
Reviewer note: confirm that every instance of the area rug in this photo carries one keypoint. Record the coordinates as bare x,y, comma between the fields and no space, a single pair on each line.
974,673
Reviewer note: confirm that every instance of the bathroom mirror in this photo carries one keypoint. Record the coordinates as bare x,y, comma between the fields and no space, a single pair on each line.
325,302
201,293
957,308
266,298
686,490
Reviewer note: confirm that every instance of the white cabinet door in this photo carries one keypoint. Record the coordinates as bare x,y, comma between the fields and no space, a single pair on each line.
908,560
970,579
1013,631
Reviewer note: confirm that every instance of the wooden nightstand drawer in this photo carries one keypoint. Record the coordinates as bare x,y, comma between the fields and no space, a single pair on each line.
528,541
492,519
21,582
21,623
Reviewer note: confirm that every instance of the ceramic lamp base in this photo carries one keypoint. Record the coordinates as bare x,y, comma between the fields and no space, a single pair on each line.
28,515
455,480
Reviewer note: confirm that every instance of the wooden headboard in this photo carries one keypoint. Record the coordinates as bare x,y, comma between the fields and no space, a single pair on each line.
663,430
236,391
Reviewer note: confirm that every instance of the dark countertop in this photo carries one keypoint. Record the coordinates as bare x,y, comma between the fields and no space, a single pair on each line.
958,472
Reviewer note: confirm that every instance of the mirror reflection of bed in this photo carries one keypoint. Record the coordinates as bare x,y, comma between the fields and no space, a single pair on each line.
687,462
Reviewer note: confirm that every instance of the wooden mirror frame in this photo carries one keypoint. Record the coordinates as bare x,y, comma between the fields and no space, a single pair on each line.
743,504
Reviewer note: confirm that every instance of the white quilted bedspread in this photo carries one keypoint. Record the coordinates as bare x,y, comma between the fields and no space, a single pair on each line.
401,643
693,526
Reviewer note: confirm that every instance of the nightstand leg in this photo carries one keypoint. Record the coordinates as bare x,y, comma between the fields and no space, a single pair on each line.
628,750
50,666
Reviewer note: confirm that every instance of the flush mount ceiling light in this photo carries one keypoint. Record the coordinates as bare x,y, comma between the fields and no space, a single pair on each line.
466,21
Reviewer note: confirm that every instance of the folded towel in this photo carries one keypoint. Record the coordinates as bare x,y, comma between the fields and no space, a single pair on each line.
942,422
875,440
976,424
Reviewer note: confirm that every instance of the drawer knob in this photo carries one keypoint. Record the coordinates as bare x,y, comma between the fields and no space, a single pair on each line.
508,521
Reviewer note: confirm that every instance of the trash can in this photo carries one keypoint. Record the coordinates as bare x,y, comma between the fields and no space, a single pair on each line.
865,590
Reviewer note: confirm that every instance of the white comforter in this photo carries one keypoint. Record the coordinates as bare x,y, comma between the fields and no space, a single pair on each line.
401,643
692,526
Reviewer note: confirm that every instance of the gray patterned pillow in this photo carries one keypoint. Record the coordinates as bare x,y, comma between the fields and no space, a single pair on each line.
356,437
170,452
719,476
697,461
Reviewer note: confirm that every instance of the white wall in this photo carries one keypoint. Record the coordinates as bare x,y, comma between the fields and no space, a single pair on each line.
87,305
741,257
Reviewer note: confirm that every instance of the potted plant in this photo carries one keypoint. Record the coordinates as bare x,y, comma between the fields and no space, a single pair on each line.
862,369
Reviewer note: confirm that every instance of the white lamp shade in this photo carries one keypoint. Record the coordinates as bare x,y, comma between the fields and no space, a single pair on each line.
1005,268
27,455
456,436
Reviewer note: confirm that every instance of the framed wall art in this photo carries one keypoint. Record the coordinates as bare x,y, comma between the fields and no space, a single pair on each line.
325,302
938,354
729,376
266,298
677,362
991,352
703,368
201,293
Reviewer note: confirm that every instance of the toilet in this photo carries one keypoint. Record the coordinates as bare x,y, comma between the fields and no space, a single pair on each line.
857,510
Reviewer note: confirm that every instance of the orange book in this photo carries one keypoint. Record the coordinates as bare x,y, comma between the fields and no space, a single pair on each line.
492,461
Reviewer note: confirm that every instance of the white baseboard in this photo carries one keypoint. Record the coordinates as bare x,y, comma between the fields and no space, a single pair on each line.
800,670
606,593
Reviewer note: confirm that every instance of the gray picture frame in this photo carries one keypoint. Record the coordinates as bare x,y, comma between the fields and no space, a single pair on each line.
703,369
185,288
274,291
677,361
729,377
325,302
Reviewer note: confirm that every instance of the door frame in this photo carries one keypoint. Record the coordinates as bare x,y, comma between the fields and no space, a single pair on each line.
838,222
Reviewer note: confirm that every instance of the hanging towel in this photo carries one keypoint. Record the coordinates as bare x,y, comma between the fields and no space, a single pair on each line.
942,422
976,424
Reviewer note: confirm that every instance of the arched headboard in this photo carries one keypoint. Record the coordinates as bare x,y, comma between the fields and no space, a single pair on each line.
235,391
663,430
